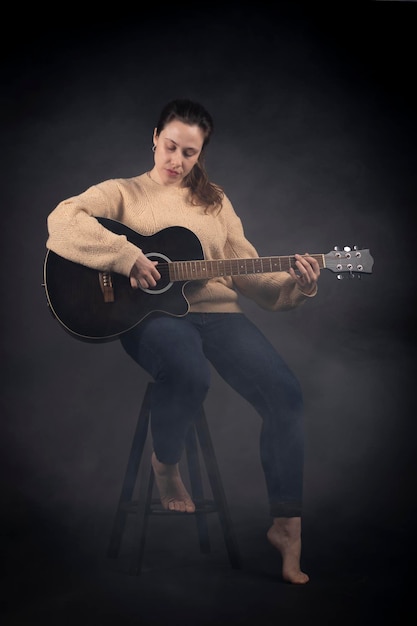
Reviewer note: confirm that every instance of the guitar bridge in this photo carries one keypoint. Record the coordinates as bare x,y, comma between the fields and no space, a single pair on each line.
106,285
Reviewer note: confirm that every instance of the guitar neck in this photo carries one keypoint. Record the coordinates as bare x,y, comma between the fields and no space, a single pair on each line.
200,270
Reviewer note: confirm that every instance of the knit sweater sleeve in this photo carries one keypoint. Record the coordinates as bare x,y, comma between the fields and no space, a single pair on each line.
75,234
274,292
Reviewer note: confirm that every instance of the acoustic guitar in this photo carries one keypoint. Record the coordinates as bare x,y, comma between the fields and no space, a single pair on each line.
100,306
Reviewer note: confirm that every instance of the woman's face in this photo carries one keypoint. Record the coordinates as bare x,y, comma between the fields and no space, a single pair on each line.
178,147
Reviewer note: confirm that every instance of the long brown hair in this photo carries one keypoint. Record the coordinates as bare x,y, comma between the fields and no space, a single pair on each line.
202,191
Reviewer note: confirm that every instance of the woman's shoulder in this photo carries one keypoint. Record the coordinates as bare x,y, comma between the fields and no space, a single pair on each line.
123,185
132,181
227,204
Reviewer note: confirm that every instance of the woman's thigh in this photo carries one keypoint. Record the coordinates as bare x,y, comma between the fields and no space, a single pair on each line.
247,360
167,347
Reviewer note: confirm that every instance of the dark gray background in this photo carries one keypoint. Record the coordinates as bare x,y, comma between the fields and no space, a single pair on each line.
315,134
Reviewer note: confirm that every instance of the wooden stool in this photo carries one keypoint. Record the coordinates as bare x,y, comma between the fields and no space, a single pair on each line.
140,459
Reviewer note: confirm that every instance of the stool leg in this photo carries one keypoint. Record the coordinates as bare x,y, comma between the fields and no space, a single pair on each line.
197,491
217,489
143,509
131,473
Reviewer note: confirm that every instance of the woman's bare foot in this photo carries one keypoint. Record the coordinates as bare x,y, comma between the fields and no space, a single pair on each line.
173,494
285,536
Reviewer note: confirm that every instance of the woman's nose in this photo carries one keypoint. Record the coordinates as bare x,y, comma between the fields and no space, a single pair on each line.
176,159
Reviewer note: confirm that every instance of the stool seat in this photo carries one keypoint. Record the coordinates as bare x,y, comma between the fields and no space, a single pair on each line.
139,469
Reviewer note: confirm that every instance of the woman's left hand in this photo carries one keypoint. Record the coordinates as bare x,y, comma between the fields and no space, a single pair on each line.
307,274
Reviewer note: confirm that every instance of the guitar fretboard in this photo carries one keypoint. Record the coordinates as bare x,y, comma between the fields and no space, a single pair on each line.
200,270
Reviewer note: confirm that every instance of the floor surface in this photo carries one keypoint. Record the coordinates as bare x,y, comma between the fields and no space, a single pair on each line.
358,575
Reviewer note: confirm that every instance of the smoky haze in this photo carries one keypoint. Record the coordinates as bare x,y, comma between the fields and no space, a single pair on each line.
314,143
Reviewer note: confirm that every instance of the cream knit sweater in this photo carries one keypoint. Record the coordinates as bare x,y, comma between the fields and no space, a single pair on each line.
147,207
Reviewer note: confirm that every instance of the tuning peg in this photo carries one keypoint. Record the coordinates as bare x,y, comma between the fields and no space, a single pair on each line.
336,249
339,276
347,249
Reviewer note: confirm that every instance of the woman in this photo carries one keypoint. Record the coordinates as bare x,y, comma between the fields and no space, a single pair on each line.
176,351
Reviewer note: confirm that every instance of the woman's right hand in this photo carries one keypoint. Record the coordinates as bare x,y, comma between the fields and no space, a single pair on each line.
144,273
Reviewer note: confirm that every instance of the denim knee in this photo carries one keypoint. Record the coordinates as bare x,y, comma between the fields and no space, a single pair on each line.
186,382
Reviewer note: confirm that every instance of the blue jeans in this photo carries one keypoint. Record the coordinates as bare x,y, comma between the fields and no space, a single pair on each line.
176,352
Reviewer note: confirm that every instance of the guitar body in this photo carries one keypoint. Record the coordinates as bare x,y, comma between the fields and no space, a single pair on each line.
75,296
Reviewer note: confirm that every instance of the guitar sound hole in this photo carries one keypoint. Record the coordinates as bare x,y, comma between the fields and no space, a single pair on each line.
164,283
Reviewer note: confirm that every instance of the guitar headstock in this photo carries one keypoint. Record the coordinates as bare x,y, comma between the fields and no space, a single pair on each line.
350,261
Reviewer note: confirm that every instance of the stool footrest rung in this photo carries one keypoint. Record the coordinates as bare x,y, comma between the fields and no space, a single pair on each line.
201,506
